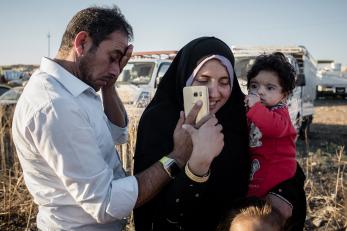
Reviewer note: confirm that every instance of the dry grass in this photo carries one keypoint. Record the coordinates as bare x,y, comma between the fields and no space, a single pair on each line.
325,168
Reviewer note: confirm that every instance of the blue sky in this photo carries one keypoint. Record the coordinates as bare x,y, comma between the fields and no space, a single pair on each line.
320,25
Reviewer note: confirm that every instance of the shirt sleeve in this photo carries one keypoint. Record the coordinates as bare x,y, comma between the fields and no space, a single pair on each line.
274,123
63,136
119,134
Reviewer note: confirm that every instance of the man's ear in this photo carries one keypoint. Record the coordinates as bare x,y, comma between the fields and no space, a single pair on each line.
80,42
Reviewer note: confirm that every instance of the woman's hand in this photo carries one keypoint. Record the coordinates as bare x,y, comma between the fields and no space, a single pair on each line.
208,142
182,142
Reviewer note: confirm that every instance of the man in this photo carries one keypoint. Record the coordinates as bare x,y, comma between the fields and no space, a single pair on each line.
65,135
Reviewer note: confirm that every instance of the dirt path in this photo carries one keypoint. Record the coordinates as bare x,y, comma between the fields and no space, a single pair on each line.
329,127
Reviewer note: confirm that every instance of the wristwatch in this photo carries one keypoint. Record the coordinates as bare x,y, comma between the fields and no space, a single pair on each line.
170,166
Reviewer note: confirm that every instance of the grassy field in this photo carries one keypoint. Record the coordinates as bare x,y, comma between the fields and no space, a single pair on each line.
323,159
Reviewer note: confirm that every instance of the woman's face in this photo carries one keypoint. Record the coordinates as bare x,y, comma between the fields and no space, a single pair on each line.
215,77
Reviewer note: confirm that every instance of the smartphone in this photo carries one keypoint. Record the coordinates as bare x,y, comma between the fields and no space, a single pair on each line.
191,95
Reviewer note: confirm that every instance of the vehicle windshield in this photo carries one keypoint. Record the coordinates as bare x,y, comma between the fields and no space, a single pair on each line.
137,73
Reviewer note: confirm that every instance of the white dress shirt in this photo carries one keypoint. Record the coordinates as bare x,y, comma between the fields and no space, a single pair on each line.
66,147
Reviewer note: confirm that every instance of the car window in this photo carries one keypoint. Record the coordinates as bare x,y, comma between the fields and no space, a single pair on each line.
136,73
12,94
3,90
161,72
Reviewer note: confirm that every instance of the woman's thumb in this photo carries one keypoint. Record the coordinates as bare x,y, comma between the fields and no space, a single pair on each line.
189,128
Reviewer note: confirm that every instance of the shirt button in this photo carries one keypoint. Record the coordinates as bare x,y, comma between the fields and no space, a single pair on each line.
177,200
197,195
181,214
280,190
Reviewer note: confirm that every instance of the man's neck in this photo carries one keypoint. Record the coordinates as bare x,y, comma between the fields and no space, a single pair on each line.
67,64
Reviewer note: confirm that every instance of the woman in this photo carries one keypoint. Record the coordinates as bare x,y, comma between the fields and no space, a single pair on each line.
185,204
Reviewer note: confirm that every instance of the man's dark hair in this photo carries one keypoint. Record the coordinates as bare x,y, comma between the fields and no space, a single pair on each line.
98,22
277,63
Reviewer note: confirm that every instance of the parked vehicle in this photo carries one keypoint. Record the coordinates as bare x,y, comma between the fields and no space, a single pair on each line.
331,81
137,83
11,96
4,88
301,102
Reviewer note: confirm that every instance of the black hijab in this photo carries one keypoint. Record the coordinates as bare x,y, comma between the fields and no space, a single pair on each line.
230,170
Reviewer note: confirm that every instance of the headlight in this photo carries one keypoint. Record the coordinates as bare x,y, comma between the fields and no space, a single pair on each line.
143,99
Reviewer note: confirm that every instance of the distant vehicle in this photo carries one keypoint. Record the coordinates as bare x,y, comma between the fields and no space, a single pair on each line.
4,88
12,74
139,79
301,102
11,96
332,86
331,82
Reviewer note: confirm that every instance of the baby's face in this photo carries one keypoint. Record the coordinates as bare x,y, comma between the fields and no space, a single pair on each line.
251,224
267,86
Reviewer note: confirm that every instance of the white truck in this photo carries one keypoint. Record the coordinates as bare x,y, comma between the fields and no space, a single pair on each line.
300,104
138,82
332,82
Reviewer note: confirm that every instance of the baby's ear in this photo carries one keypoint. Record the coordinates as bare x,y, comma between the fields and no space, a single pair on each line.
285,95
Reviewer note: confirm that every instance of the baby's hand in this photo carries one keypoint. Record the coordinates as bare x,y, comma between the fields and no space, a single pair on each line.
251,99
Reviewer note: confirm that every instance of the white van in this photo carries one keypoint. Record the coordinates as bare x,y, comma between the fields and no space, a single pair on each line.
137,84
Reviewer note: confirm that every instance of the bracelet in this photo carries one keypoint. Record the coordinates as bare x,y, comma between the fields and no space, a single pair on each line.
193,177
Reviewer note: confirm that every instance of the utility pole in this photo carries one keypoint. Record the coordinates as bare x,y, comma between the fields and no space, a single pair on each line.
49,45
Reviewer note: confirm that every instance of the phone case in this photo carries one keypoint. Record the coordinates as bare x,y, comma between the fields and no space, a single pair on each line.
191,95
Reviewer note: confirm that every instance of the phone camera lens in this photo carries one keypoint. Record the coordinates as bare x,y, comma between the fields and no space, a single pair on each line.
195,94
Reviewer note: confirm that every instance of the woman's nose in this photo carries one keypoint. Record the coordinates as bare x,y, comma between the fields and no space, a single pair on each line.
213,91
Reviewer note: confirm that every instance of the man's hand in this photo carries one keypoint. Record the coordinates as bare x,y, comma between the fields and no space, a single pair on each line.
251,99
208,142
182,142
126,57
113,106
124,60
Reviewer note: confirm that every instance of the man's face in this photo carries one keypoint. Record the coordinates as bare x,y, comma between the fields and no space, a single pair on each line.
100,66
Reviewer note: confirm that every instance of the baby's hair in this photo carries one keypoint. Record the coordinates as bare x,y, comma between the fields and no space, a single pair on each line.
278,63
253,208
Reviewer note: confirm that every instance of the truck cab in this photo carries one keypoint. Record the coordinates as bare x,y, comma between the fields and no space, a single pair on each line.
139,79
331,82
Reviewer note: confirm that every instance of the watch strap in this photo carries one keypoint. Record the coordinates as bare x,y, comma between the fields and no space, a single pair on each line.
170,166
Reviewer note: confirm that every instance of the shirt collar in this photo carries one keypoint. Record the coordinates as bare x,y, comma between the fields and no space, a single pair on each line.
73,84
278,106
